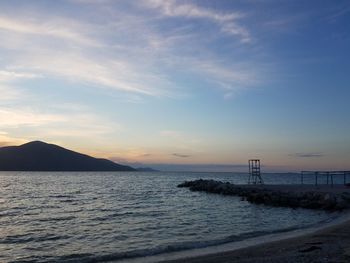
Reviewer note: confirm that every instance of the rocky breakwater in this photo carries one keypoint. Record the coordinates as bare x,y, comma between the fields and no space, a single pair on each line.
294,196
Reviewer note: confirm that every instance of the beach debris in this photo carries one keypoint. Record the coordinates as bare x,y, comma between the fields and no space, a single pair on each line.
313,243
309,249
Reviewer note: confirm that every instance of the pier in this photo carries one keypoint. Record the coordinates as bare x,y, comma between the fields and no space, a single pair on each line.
304,196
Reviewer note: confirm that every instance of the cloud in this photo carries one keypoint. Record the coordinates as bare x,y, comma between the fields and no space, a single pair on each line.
72,121
114,74
171,134
227,21
130,155
125,51
181,155
179,141
9,94
92,1
26,117
79,58
55,27
338,13
80,122
307,155
227,77
7,140
7,76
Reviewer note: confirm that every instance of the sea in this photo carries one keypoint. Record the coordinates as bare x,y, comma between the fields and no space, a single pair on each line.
116,216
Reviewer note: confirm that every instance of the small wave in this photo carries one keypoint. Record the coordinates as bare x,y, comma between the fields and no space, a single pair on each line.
10,213
32,259
27,238
61,196
181,246
76,257
129,213
67,201
54,219
175,247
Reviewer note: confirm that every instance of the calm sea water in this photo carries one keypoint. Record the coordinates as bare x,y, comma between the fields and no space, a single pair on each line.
97,217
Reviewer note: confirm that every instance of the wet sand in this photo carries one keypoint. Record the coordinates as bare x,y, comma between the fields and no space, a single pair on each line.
331,245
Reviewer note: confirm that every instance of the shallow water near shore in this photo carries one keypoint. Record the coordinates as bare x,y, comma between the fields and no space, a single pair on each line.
111,216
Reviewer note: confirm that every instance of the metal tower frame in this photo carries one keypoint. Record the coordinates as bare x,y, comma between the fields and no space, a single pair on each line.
254,172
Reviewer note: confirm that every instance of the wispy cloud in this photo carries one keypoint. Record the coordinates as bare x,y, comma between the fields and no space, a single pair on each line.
79,58
119,75
130,155
339,12
178,142
9,94
231,77
68,122
7,140
81,122
228,22
19,117
308,155
67,29
7,76
181,155
171,134
9,81
126,52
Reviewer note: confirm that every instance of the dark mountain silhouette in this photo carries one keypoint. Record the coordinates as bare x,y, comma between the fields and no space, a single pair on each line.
40,156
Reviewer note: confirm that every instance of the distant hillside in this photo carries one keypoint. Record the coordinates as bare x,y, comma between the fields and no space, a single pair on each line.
40,156
146,169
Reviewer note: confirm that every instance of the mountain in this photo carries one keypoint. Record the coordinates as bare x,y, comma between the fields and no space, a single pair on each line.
41,156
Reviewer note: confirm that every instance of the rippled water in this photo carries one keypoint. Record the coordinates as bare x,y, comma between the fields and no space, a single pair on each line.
96,217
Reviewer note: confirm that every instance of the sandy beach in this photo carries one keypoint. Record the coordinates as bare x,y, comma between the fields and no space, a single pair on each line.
331,245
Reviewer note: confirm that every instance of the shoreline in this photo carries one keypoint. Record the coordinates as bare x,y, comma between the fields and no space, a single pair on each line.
330,243
273,248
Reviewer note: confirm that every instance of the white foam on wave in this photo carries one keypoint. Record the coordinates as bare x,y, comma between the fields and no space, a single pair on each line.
232,246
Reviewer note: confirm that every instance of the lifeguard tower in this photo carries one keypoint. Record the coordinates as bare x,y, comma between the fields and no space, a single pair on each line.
254,172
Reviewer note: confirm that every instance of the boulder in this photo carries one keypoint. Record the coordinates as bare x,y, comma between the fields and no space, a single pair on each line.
259,195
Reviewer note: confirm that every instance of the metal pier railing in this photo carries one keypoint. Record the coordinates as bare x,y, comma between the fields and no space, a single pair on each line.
329,175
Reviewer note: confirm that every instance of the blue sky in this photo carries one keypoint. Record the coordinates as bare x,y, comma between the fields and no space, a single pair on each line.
180,82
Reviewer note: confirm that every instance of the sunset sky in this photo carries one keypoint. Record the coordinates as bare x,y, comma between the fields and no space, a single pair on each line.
199,84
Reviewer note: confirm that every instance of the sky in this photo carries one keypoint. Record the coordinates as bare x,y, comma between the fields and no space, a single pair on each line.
175,84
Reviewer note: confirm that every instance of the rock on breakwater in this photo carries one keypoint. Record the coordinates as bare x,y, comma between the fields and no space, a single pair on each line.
304,196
